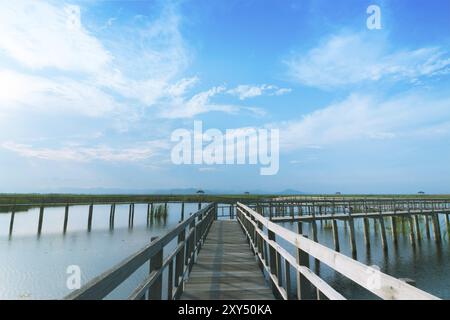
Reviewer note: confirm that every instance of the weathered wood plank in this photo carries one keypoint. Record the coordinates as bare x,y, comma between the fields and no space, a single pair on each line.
226,268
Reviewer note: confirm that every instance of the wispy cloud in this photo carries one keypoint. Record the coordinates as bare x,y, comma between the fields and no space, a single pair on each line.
251,91
59,95
357,58
140,152
363,117
63,63
40,35
182,107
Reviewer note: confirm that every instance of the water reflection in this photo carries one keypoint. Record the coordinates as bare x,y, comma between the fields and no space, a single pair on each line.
33,267
425,261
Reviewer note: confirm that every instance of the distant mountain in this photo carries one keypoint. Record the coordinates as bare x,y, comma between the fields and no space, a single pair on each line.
290,192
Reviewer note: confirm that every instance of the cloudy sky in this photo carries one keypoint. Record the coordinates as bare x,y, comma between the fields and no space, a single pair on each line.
90,92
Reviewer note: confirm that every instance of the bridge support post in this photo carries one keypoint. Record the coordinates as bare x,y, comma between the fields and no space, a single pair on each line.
112,214
131,216
182,211
436,227
366,232
351,225
41,219
149,213
417,226
394,229
411,228
66,218
314,225
11,221
335,235
91,209
383,232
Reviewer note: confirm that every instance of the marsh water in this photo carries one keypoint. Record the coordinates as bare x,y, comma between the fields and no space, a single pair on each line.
35,267
427,263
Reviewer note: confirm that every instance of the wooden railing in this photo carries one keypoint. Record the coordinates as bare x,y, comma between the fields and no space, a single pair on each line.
262,235
190,235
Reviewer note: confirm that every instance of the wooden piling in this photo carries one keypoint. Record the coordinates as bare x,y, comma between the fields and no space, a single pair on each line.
383,233
131,216
436,227
41,219
182,211
66,218
11,221
149,212
314,225
411,229
91,209
394,229
335,235
366,232
112,214
417,225
351,225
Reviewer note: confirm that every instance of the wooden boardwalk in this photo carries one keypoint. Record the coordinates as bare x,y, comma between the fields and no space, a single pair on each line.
226,268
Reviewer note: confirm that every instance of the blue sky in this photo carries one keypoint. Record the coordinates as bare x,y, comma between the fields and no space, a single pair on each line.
92,103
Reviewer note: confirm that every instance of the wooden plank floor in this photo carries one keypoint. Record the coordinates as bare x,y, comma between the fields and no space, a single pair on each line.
226,268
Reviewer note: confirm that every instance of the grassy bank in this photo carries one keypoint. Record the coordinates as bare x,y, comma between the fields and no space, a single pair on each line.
36,199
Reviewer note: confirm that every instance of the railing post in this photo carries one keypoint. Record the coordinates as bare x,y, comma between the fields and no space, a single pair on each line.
215,210
180,263
272,254
155,290
170,281
302,260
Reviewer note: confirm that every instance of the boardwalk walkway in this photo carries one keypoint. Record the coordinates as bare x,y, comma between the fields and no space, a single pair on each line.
226,268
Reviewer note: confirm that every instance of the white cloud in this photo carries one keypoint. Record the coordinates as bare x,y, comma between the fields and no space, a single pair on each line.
251,91
364,117
199,103
85,154
39,35
66,65
61,95
347,59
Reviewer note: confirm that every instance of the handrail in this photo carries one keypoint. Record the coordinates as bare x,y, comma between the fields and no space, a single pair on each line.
271,255
184,255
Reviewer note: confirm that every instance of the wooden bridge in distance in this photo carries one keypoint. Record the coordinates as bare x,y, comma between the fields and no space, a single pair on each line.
242,258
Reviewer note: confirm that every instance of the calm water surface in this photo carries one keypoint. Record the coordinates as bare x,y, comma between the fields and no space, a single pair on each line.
427,263
33,267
